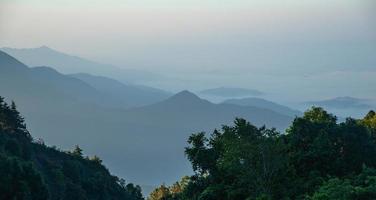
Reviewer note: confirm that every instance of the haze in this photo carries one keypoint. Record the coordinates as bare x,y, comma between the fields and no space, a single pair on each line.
305,49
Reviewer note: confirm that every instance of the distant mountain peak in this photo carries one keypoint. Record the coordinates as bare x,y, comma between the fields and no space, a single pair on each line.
186,95
186,92
44,47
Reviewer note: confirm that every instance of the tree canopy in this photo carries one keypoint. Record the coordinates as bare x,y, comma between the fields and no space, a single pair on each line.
317,158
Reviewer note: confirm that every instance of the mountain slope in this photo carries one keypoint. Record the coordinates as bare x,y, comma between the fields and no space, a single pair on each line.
68,64
152,136
186,108
56,114
44,85
345,106
262,103
128,95
167,125
342,103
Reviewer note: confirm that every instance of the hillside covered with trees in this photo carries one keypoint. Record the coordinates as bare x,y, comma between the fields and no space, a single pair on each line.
316,159
31,170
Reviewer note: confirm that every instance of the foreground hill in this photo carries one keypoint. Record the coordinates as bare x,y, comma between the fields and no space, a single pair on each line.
31,170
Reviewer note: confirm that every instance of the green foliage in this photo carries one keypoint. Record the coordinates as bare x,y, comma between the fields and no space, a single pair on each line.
317,159
77,151
11,121
30,170
360,187
20,180
319,147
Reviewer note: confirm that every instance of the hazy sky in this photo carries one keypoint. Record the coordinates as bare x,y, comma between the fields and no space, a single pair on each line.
303,45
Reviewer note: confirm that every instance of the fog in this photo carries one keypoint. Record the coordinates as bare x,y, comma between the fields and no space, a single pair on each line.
300,48
111,72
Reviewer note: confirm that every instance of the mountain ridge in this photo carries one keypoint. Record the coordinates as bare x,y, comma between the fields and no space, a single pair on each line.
118,135
263,103
68,64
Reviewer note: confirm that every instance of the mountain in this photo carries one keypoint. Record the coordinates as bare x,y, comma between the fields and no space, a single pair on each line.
67,111
128,95
187,109
230,92
168,124
343,103
345,106
262,103
32,170
45,86
68,64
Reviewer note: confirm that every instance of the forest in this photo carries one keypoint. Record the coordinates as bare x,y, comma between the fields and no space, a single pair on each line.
31,170
317,158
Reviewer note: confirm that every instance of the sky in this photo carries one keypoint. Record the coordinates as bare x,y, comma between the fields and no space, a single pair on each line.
305,48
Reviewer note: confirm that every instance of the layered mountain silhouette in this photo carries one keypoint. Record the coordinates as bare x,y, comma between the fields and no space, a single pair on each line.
49,84
345,106
343,103
187,108
68,64
127,95
144,144
262,103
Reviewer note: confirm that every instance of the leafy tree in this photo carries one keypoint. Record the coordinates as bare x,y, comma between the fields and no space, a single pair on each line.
20,180
96,159
317,158
31,170
238,156
319,147
360,187
77,151
134,191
